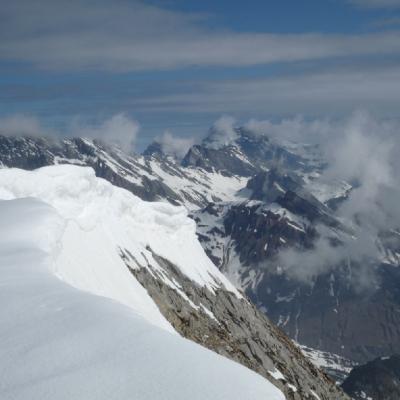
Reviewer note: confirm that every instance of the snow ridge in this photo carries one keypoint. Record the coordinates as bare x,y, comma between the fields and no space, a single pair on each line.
100,220
60,343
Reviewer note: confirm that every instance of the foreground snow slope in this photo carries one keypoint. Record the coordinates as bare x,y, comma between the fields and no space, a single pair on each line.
100,221
58,342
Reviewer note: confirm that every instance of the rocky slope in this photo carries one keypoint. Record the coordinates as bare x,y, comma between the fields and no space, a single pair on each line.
234,328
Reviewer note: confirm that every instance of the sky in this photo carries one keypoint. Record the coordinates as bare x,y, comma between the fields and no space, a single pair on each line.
173,67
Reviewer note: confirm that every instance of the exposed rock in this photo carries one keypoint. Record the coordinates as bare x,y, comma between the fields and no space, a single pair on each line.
233,327
377,380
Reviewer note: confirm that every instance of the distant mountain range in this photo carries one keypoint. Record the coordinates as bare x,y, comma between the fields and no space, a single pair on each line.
255,200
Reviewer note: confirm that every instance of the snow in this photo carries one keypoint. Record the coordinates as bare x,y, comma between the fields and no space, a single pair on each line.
279,187
58,342
295,227
325,360
199,184
315,394
283,212
101,219
325,191
209,313
276,374
292,387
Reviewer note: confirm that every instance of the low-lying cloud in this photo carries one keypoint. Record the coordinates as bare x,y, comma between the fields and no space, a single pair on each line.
222,132
174,145
118,130
363,151
20,125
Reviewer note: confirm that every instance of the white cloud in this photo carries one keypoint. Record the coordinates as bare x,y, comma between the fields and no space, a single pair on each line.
222,132
364,151
367,154
119,129
131,36
174,145
22,125
296,129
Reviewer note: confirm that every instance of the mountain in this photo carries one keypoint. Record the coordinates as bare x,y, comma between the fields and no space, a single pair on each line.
249,153
378,379
152,178
58,342
286,210
291,211
100,284
259,204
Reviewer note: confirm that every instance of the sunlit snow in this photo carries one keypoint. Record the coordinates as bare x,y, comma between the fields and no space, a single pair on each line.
59,342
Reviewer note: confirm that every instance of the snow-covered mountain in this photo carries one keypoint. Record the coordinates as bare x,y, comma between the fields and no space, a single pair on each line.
98,283
152,178
253,199
246,240
58,342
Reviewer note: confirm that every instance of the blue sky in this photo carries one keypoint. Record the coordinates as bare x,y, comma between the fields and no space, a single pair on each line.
178,65
285,16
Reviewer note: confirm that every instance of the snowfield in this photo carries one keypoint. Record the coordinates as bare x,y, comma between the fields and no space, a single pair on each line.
74,323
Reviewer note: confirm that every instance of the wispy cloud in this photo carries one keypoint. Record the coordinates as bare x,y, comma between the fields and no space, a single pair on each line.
131,36
174,145
20,125
118,129
362,150
222,132
331,92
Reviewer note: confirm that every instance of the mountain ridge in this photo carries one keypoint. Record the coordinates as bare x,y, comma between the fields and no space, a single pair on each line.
147,257
246,228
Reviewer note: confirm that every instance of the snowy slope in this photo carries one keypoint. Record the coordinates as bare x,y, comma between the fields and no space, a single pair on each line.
101,221
58,342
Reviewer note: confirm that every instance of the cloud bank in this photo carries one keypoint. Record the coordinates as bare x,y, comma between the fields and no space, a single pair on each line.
132,36
20,125
118,130
363,151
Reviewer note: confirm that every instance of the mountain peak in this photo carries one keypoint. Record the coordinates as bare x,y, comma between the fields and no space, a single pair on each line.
155,148
225,136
